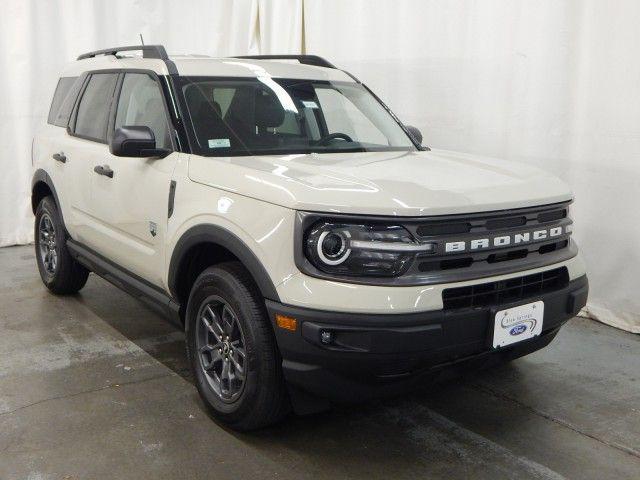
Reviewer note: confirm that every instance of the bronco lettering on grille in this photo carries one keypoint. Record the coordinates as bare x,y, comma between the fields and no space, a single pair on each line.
505,240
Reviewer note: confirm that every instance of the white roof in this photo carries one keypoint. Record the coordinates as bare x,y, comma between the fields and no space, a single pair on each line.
192,65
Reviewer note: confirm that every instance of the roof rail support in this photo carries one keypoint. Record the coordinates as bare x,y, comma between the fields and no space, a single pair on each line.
304,59
148,51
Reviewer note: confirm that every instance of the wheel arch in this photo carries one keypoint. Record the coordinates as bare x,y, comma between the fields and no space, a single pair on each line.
225,245
42,186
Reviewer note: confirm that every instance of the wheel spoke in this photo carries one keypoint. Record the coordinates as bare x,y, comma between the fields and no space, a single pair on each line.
228,320
217,324
240,353
238,356
54,260
212,325
225,378
215,358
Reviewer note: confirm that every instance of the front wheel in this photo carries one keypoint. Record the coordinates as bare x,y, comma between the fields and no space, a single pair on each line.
59,271
232,350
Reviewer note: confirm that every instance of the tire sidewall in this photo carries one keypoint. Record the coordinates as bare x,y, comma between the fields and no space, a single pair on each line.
220,283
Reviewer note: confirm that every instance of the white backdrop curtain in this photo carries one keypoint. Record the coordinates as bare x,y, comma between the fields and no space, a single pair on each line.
555,83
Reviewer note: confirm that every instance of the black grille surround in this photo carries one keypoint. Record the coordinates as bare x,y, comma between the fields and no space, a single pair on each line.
505,291
442,266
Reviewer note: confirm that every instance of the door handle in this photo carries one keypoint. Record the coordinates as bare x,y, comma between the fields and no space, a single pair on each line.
103,170
59,157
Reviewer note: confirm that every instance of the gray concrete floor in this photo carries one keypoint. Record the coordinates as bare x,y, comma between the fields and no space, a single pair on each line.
96,386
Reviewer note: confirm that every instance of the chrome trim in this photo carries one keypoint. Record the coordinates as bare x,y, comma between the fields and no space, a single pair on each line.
392,246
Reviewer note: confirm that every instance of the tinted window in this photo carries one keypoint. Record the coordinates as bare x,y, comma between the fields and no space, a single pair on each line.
63,100
93,112
141,104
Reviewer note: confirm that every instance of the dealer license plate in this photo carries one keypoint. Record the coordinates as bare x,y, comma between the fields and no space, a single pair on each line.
517,323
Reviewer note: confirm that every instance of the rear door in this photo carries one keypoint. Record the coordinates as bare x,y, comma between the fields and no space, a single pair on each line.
52,143
129,209
84,146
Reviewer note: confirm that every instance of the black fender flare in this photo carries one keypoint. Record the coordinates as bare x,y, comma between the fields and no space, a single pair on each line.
40,176
208,233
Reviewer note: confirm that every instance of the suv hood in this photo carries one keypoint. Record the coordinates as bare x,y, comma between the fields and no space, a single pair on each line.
382,183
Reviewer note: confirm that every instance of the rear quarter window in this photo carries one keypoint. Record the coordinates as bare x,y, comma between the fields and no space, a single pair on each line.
63,100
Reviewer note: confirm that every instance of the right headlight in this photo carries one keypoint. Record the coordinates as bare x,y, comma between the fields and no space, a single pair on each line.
373,250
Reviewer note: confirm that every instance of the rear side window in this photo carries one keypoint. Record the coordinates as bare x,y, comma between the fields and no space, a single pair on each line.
63,100
92,117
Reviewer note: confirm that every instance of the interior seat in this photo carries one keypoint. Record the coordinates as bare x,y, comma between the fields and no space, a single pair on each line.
207,118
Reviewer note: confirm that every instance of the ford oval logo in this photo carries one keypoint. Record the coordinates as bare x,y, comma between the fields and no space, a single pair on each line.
518,329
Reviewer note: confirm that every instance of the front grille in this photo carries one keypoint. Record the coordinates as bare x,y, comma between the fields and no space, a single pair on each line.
505,291
492,257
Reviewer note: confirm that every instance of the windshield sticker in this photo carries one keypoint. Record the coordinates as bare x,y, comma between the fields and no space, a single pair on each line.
219,143
309,104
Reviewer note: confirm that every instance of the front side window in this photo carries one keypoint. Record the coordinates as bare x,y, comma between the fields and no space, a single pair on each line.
93,111
140,104
275,116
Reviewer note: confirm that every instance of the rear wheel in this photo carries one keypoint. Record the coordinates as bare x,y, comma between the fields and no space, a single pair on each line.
232,350
58,270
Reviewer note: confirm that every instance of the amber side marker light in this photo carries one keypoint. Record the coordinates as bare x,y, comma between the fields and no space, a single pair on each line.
287,323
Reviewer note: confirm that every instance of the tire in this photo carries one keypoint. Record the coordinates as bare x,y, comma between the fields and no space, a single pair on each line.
224,302
60,273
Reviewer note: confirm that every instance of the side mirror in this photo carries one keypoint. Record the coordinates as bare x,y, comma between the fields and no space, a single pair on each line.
415,133
134,141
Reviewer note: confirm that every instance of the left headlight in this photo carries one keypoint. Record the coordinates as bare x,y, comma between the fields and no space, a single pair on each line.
373,250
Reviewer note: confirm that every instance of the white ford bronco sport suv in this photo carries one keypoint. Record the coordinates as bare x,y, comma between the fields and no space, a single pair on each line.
312,249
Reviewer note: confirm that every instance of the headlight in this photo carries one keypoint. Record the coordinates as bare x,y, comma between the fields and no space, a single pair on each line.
361,249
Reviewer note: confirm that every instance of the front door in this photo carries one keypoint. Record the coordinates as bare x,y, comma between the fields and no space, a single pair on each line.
130,195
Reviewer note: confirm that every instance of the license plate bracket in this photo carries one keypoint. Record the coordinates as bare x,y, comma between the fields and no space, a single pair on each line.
517,323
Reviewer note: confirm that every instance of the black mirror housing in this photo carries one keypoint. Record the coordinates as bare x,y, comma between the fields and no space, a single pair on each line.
135,141
415,133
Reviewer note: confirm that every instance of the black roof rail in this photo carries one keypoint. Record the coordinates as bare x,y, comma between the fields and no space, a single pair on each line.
305,59
148,51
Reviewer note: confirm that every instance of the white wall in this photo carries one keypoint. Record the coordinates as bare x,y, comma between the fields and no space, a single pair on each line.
553,83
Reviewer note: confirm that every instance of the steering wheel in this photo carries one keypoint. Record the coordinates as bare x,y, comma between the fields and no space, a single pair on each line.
327,138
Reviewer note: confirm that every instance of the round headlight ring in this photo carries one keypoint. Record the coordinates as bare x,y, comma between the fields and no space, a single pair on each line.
343,252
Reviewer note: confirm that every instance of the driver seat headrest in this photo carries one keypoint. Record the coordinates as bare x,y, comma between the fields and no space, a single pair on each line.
268,110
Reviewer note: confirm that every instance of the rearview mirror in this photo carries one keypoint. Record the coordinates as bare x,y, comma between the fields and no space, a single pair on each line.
135,141
415,133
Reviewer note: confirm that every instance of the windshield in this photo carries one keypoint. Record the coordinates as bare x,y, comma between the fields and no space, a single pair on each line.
278,116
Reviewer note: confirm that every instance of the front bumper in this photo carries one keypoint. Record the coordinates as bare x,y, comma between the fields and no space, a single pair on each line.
373,355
